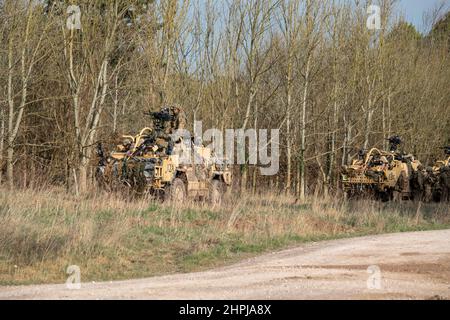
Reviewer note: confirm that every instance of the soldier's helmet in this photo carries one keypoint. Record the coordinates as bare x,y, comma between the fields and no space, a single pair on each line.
165,109
446,150
362,153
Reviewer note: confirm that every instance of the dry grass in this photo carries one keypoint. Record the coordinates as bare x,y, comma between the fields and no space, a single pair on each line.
43,232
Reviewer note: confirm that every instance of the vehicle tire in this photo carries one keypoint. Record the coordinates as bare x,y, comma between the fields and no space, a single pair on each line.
216,192
386,195
176,192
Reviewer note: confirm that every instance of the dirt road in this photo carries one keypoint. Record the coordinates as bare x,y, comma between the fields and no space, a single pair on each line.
395,266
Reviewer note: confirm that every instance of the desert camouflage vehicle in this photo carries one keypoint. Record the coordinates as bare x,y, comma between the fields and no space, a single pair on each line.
381,174
152,163
444,163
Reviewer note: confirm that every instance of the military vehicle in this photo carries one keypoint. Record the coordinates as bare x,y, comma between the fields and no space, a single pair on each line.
384,175
443,163
153,163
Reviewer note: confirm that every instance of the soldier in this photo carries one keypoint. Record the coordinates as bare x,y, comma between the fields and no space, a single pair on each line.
429,184
417,183
179,118
165,120
444,182
362,154
394,143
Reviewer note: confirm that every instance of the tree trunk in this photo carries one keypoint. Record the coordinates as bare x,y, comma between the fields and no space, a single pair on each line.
303,133
10,165
244,167
2,142
331,158
91,130
255,169
368,128
10,150
288,156
115,102
383,124
389,126
82,174
243,178
345,142
288,137
369,114
255,179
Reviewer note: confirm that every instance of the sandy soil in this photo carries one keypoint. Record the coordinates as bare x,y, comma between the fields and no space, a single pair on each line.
394,266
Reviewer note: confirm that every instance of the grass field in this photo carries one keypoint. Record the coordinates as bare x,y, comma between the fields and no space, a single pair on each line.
111,238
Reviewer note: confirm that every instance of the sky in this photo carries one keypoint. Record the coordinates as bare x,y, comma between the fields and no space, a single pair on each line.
413,10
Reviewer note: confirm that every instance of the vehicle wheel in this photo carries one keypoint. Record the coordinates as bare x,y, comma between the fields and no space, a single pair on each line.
216,191
386,195
176,192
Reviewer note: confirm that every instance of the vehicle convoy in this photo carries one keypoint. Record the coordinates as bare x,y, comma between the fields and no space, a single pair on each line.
384,175
154,162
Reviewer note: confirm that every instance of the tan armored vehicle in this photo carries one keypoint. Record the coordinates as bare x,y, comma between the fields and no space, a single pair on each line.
380,174
444,163
151,163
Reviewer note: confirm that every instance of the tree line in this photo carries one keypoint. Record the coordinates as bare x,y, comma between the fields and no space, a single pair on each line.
313,69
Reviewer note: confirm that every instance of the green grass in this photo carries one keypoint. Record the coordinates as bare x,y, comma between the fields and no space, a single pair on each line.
109,238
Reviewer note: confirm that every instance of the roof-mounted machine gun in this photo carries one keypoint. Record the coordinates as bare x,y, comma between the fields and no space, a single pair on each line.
394,143
160,118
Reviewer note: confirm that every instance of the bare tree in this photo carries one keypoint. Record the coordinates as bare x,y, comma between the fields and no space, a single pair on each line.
24,52
290,25
312,28
257,18
87,74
